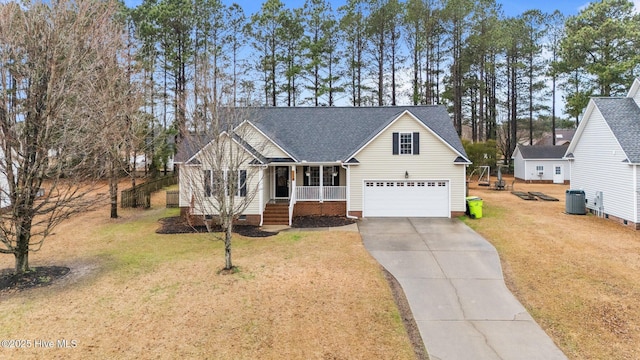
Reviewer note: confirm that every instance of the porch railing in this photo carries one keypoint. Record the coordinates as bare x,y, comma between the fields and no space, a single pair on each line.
324,193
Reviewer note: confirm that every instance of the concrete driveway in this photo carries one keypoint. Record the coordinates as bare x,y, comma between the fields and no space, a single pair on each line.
453,282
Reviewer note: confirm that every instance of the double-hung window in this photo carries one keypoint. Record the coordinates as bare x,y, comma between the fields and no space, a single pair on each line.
225,180
406,143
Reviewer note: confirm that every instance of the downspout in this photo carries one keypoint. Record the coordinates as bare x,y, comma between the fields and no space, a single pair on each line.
348,169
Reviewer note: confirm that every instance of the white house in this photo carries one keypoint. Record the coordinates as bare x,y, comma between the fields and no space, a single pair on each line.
605,157
353,161
541,164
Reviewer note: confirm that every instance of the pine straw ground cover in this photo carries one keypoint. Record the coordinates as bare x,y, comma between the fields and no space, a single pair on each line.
579,276
135,294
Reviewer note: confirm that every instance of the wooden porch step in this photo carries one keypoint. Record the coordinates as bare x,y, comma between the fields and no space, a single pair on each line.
276,214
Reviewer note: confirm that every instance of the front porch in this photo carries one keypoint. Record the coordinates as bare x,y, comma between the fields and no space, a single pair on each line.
295,190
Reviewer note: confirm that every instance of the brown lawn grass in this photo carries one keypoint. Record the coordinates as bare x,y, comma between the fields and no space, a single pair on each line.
579,276
134,294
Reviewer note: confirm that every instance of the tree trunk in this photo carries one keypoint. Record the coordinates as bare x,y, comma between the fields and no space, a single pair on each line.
21,251
113,193
22,261
227,248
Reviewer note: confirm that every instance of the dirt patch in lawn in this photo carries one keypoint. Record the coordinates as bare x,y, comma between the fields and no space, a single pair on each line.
579,276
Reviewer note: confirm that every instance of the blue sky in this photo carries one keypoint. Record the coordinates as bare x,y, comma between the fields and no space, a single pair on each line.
510,7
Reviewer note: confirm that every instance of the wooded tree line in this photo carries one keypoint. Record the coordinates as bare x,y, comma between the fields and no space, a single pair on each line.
497,74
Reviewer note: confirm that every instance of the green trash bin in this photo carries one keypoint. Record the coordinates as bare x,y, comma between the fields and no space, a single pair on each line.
474,207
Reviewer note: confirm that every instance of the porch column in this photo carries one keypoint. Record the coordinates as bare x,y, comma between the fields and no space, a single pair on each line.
261,205
294,175
321,195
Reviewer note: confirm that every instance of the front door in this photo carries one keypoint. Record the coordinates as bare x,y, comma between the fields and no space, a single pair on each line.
558,174
282,181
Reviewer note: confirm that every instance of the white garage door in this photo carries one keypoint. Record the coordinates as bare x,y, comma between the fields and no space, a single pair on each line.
404,198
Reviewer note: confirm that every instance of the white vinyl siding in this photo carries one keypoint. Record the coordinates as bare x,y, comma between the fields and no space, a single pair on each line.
519,165
435,161
259,142
192,178
186,179
598,166
526,169
530,168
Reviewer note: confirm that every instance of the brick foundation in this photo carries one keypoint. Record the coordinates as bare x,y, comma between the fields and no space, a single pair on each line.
455,214
327,208
629,223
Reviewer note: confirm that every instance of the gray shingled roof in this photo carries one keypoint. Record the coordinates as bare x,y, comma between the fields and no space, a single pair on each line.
189,146
542,152
328,134
563,136
623,117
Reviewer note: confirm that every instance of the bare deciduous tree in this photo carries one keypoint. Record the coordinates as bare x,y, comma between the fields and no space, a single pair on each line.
225,172
53,57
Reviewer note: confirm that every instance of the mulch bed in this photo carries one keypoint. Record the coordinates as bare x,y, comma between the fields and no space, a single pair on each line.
320,221
37,277
178,225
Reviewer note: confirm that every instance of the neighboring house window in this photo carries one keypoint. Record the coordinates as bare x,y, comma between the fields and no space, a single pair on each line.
539,168
406,143
207,183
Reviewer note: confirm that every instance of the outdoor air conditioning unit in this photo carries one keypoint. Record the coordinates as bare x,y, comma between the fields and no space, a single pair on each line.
540,173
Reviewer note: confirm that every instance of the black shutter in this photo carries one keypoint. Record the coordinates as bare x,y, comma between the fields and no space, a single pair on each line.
305,178
207,183
416,143
336,179
396,143
243,183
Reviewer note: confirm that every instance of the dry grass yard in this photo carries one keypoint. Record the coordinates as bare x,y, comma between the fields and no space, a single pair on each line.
135,294
579,276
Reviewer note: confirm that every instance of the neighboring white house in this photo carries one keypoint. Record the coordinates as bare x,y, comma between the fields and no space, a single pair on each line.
353,161
541,164
605,157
